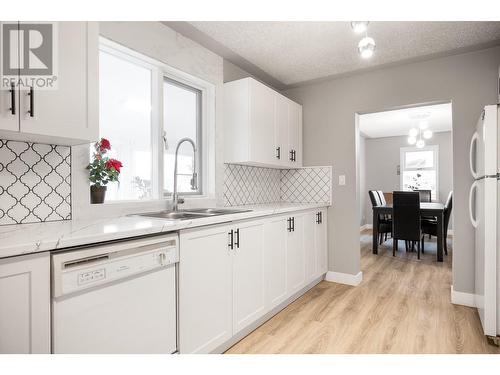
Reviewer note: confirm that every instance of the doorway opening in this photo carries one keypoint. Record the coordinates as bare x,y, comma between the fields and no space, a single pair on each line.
405,149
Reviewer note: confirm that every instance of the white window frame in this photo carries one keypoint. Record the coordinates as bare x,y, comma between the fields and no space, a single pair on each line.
207,148
402,157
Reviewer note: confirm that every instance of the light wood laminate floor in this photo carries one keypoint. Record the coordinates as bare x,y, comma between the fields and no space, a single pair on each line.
402,306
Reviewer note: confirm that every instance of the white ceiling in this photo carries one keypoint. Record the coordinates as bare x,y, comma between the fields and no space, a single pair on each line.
293,52
399,122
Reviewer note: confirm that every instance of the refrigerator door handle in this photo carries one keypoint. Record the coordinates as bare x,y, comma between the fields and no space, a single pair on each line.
473,142
473,220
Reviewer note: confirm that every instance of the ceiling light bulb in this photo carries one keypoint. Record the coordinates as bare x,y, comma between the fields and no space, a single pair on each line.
412,140
423,125
420,143
366,46
413,132
428,134
359,26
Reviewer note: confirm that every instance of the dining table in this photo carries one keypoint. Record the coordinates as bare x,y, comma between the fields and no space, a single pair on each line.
427,209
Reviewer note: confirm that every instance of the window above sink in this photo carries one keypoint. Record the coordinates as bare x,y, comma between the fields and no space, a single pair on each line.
145,108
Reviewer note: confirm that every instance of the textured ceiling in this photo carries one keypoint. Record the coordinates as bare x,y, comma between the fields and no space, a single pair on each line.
293,52
400,121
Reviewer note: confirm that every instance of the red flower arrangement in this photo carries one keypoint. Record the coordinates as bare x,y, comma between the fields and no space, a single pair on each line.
103,169
104,145
113,163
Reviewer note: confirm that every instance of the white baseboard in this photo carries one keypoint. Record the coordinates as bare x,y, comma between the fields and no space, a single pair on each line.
461,298
450,232
344,278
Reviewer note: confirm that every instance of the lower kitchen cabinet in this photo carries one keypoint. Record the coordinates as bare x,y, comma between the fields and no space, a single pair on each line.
295,254
205,289
275,234
321,241
315,237
231,275
248,274
25,304
309,239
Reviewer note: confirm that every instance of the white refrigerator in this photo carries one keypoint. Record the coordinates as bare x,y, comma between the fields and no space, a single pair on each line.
484,211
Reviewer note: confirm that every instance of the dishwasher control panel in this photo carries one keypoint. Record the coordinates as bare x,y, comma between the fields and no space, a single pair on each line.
90,276
90,271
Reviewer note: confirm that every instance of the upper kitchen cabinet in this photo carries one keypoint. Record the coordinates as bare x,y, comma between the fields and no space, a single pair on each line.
9,117
294,135
262,126
281,130
57,108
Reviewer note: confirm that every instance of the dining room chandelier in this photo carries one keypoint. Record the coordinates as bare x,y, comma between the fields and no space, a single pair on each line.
418,135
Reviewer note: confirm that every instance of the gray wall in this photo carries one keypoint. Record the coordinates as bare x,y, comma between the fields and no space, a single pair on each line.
233,72
468,80
363,200
381,160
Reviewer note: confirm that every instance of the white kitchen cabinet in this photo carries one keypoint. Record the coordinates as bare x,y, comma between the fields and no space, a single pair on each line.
25,304
321,241
69,113
261,123
9,99
295,254
309,244
275,234
232,275
315,244
9,119
205,289
248,274
262,127
294,134
281,125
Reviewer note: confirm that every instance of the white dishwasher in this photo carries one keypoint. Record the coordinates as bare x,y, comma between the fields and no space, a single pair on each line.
116,298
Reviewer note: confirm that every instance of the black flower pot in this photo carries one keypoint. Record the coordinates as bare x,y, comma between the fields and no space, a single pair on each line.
97,194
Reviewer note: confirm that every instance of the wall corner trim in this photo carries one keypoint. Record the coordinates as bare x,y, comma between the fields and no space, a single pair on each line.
344,278
461,298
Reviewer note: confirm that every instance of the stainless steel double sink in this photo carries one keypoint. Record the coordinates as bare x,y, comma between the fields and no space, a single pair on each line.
193,213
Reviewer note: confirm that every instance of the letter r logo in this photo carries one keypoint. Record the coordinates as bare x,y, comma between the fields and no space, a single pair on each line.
27,49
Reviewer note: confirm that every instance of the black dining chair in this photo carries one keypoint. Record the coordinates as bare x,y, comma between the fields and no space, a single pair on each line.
381,197
406,219
384,224
430,226
425,195
386,217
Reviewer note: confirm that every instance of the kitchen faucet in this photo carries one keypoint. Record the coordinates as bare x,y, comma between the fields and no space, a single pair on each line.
194,182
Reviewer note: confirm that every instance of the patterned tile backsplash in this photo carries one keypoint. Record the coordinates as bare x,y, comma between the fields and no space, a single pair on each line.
245,185
250,185
307,185
35,182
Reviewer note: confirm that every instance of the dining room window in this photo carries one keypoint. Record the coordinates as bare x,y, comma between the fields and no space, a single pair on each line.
419,169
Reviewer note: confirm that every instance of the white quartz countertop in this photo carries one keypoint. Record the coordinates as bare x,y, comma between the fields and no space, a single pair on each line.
38,237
